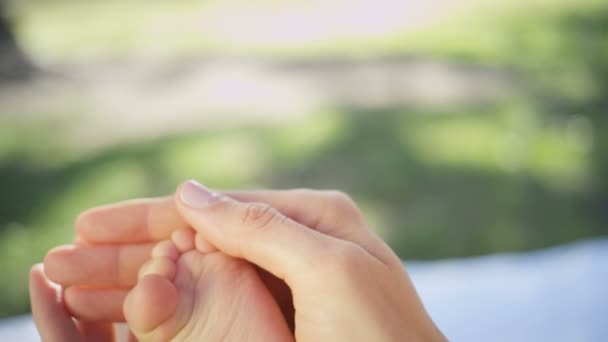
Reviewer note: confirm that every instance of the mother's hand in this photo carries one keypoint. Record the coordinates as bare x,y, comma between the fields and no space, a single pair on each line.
318,242
114,241
53,321
347,284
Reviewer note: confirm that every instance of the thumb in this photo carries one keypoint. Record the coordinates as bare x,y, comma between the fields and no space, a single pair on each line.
255,232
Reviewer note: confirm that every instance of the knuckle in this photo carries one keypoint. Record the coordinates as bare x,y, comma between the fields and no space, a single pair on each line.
342,204
304,192
259,215
347,260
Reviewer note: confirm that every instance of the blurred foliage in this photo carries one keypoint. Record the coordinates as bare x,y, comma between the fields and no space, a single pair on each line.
481,31
524,173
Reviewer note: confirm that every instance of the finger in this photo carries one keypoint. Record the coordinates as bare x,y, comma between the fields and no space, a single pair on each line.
95,331
254,232
154,219
151,302
135,221
105,305
330,212
101,266
98,305
52,320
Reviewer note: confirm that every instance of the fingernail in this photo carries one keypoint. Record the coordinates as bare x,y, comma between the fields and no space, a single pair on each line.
196,195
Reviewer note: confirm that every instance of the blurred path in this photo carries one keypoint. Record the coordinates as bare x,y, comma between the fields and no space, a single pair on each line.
110,102
114,102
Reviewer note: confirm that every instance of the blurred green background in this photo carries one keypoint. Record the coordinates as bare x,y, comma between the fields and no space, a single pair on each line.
461,127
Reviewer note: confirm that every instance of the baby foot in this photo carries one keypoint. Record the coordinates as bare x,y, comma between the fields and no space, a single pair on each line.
189,291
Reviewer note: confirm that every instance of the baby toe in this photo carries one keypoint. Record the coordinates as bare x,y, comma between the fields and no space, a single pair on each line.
183,239
152,302
166,249
162,266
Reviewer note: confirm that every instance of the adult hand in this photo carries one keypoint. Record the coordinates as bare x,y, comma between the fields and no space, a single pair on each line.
53,321
347,284
115,240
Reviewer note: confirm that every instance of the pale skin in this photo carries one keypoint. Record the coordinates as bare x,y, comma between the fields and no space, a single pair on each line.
181,296
302,258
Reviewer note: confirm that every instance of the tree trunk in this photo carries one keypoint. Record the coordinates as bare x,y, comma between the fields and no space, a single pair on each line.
14,65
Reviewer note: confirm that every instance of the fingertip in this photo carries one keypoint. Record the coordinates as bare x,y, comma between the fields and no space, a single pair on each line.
37,270
83,224
39,278
38,281
54,262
